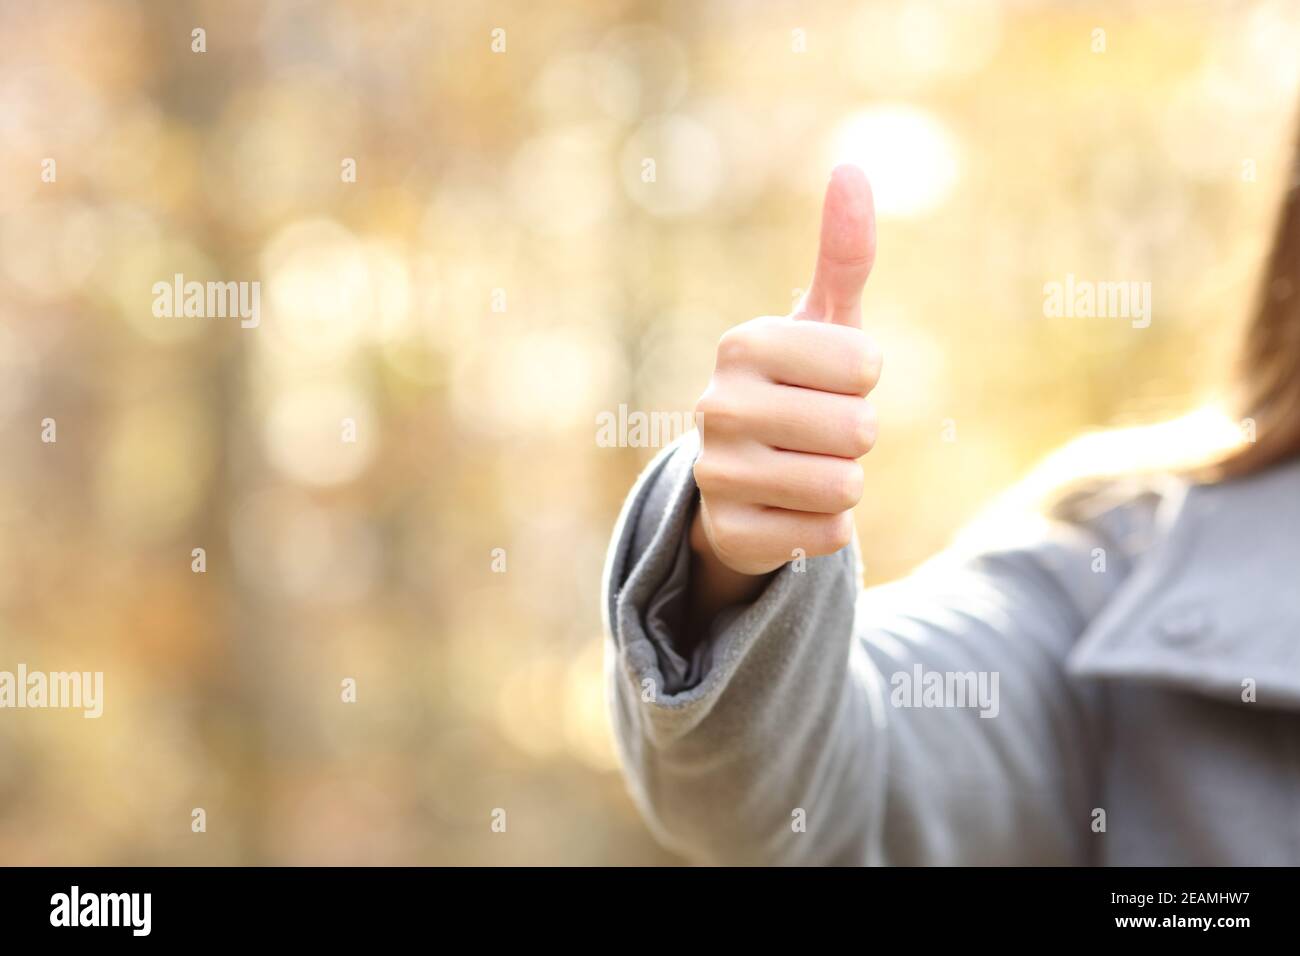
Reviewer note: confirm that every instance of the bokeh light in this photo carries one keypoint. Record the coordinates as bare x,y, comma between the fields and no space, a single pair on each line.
909,156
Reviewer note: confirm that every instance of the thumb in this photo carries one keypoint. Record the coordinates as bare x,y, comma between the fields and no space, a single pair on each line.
847,250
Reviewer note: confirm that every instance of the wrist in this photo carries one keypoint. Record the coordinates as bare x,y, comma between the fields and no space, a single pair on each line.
714,585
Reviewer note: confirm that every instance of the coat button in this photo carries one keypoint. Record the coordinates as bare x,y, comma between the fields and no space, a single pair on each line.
1184,625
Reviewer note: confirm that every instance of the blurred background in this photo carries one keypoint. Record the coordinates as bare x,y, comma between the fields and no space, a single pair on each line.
503,270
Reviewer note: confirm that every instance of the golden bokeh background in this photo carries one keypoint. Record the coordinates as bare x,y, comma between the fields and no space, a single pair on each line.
499,274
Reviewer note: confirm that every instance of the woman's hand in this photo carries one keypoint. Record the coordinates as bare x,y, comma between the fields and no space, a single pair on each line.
785,417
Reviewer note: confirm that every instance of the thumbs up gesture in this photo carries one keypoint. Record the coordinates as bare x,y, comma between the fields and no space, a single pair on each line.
784,418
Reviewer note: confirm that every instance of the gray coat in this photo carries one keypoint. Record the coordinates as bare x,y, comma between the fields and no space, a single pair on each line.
1131,684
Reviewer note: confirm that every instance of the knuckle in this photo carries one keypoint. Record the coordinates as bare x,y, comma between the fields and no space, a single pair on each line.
865,368
738,346
715,408
846,487
862,429
713,477
706,475
727,532
839,532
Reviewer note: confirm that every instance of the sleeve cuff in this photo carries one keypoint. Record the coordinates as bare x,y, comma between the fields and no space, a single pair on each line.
646,582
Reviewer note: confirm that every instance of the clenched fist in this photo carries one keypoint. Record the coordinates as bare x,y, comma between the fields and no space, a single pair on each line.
785,415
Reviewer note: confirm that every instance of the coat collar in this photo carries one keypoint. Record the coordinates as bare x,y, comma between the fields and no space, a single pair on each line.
1215,603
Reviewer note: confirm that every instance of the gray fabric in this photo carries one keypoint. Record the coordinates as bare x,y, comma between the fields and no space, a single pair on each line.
1119,690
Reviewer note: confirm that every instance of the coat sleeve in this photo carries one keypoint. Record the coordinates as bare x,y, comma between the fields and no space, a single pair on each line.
808,727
